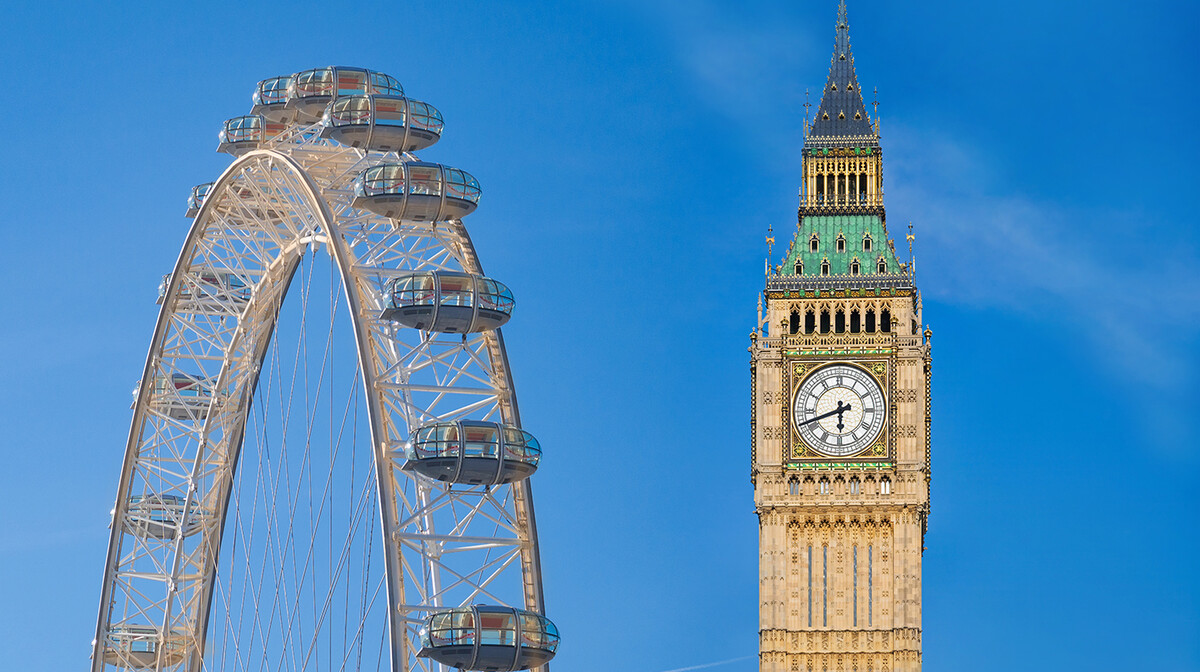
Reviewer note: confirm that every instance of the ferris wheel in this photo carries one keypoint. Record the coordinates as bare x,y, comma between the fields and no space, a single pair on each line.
297,498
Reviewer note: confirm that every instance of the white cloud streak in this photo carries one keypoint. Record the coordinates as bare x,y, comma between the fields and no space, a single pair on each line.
708,665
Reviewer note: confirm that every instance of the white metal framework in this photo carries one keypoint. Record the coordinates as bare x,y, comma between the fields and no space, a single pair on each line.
178,512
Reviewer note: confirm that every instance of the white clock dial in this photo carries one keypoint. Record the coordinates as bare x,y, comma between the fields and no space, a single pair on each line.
839,410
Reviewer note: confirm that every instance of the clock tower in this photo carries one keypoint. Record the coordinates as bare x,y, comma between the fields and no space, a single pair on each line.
839,377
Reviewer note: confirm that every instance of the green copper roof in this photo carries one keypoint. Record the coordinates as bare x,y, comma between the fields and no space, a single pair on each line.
853,229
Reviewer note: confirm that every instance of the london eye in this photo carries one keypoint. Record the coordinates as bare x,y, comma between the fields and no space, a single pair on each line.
326,467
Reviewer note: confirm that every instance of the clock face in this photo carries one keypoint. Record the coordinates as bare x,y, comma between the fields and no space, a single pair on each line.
839,410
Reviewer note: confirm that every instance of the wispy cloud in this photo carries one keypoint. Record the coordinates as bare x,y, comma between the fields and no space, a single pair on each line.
708,665
1078,267
1128,297
978,244
745,59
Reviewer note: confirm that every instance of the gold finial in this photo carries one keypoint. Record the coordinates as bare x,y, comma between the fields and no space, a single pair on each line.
875,104
807,105
912,260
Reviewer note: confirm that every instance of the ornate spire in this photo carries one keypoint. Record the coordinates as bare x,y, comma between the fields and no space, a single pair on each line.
842,113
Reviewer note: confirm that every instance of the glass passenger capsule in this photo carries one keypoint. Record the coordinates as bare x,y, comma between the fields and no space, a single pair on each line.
270,98
196,199
382,123
472,452
242,134
208,292
447,301
162,516
141,646
417,192
311,90
489,638
181,396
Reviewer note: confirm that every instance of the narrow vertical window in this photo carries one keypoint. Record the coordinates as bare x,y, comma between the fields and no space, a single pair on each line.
799,267
854,267
885,486
824,586
870,320
825,318
825,267
810,585
870,580
810,322
856,585
839,321
794,322
882,266
841,243
867,243
885,321
814,243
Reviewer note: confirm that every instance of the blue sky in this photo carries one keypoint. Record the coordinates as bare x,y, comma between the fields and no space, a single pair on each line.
632,156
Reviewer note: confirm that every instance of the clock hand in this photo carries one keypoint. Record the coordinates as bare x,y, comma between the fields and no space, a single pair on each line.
837,411
841,410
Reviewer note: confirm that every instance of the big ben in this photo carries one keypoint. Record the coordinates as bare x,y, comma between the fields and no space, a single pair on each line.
840,382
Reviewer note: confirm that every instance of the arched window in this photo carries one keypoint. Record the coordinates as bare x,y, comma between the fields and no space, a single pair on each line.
810,322
839,323
855,321
867,243
862,188
854,267
854,486
886,318
885,486
821,188
825,267
881,267
841,243
825,321
870,320
814,243
823,486
794,322
799,267
793,486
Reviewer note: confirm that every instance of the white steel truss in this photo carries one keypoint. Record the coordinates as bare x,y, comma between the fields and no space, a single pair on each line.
447,545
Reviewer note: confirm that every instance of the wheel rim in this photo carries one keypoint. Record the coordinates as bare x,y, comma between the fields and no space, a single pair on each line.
445,545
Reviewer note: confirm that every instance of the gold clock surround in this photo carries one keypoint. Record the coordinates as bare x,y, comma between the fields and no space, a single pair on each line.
795,450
